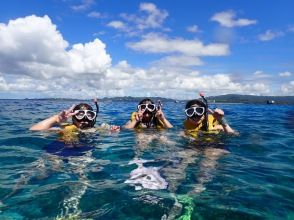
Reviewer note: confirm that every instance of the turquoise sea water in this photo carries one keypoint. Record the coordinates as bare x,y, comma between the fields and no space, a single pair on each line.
219,177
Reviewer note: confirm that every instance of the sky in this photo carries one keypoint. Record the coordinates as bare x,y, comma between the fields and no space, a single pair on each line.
174,49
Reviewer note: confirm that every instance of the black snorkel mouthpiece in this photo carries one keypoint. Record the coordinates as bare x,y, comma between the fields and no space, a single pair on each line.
206,110
85,125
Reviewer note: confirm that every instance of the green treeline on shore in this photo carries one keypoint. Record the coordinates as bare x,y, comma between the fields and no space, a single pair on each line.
230,98
252,99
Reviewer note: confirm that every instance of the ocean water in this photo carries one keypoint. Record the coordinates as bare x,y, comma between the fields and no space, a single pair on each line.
147,175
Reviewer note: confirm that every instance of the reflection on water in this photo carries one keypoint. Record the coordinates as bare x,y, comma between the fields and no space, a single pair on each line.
146,175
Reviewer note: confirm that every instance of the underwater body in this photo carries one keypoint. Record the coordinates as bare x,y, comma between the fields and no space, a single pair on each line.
147,175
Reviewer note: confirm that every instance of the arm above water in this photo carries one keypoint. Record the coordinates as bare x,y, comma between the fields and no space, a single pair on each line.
45,124
160,116
53,120
218,114
135,119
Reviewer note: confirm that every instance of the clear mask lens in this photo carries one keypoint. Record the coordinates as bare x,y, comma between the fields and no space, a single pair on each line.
195,111
150,107
86,113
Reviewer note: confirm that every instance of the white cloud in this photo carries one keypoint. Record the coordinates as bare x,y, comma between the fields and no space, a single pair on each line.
260,74
285,74
168,83
155,17
288,89
34,50
193,29
89,58
117,25
95,14
33,46
179,61
255,89
32,39
270,35
3,84
153,43
228,19
123,80
148,17
85,4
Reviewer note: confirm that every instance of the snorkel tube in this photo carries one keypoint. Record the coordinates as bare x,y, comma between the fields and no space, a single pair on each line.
159,105
97,109
206,126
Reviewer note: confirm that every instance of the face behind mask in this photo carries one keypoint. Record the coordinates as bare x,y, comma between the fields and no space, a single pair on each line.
148,108
85,117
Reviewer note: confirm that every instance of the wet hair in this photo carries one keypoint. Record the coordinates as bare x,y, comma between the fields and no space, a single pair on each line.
143,101
195,102
83,106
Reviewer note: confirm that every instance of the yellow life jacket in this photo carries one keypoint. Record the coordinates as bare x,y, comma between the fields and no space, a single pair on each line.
69,133
193,130
159,123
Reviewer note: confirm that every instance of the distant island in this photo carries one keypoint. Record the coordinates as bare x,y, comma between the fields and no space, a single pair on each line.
252,99
229,98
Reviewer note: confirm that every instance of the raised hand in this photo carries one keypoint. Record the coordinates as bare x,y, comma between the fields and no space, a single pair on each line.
65,114
139,116
218,114
159,114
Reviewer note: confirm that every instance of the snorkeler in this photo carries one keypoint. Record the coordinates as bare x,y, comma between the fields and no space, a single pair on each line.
148,115
201,118
71,153
204,150
83,119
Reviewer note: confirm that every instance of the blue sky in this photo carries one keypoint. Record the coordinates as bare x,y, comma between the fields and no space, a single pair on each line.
174,49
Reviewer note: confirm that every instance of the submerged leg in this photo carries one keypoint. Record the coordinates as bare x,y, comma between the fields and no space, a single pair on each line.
207,167
70,205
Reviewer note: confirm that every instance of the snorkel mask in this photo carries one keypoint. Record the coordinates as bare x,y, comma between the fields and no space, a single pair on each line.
149,109
196,108
85,117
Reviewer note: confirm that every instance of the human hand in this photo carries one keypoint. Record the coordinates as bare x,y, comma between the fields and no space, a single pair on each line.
218,113
159,114
139,116
115,128
65,114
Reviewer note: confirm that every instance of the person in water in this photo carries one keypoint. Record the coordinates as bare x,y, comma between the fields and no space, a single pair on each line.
201,118
71,153
148,115
204,150
83,119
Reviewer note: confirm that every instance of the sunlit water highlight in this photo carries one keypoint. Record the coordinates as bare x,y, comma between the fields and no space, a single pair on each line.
245,177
